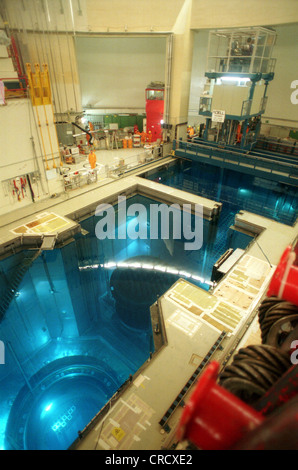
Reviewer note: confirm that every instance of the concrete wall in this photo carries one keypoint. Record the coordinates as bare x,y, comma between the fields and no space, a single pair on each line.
95,15
234,13
114,72
280,110
132,15
25,147
145,15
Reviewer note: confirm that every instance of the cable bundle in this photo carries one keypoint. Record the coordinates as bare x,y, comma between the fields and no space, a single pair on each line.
277,318
253,371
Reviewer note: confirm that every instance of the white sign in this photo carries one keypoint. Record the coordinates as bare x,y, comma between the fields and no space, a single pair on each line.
218,116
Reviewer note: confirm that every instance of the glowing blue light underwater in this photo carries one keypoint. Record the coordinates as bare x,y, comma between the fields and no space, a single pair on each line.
244,191
48,407
288,207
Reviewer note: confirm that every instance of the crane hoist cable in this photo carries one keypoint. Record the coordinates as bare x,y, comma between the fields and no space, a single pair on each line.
42,139
45,74
46,77
85,131
35,98
45,98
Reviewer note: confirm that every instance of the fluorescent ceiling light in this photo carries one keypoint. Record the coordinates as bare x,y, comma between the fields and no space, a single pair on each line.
235,79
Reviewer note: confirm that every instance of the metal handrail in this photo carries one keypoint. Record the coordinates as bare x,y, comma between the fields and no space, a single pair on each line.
240,153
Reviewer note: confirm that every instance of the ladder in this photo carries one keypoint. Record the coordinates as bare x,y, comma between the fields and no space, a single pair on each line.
17,277
48,243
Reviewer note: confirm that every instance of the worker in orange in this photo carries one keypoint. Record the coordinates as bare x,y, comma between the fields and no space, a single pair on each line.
143,137
92,159
238,134
190,131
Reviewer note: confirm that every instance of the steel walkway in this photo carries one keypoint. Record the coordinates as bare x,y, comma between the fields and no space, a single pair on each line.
272,166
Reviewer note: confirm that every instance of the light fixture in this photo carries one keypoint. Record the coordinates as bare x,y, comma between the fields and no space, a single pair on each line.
136,265
234,79
240,81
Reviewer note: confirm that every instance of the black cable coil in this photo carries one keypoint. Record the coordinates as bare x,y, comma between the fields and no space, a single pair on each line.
256,368
253,371
277,318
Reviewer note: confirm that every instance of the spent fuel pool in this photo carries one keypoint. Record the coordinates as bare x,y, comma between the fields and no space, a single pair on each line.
78,325
237,191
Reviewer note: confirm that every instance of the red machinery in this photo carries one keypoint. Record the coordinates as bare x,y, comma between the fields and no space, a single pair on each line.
154,111
216,419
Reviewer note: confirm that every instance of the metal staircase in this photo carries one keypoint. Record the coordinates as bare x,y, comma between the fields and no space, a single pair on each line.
16,279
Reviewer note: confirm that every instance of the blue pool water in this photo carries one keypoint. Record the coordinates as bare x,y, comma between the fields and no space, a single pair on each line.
79,326
237,191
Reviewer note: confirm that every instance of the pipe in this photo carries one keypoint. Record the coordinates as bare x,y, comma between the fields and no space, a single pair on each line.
42,139
47,34
62,69
177,125
168,78
30,187
106,33
85,131
31,109
69,54
30,80
46,73
42,87
36,31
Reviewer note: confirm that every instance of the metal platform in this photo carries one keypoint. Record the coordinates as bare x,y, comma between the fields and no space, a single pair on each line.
265,165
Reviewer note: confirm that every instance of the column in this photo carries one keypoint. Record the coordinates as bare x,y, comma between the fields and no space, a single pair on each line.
180,72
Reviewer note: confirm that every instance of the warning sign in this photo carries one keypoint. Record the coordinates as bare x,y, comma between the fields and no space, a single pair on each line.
218,115
118,433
